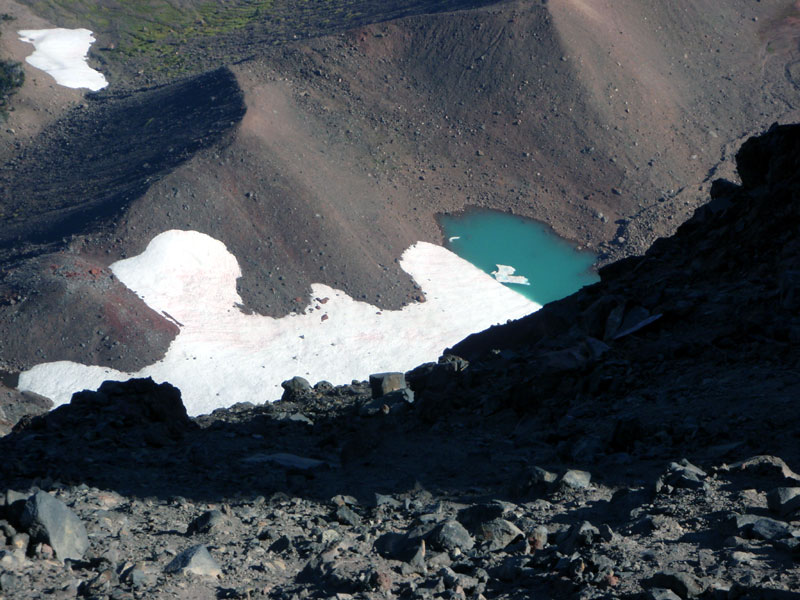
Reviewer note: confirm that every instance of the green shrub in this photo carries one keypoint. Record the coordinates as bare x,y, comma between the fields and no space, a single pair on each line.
12,76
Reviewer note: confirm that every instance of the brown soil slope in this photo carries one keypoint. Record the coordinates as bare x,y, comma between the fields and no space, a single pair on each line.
512,107
602,119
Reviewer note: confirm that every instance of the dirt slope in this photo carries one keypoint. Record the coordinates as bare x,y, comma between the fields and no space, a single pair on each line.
601,119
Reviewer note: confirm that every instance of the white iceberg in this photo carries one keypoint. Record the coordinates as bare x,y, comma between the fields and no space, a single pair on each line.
223,356
505,274
62,54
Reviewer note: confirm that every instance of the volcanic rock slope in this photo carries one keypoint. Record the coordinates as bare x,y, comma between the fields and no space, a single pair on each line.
321,158
634,440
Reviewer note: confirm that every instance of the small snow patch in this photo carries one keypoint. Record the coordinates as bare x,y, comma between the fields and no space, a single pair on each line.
62,54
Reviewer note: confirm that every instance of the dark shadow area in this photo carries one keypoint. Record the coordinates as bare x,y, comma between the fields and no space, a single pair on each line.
88,167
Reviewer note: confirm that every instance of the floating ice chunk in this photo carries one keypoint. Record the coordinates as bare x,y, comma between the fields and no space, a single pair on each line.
223,356
505,274
62,54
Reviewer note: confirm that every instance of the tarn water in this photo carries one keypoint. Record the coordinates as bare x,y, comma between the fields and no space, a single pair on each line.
543,266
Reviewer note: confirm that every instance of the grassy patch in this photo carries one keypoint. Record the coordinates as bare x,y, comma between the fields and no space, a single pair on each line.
156,30
12,76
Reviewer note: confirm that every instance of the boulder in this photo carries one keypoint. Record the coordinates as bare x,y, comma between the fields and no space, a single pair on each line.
383,383
295,388
48,520
195,561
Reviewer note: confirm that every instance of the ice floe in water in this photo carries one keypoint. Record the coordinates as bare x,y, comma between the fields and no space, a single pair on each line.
62,54
222,355
505,274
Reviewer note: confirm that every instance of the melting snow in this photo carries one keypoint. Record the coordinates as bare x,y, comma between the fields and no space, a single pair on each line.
222,356
62,54
505,274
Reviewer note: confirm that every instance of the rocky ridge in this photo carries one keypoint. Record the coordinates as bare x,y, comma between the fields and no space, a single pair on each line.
634,440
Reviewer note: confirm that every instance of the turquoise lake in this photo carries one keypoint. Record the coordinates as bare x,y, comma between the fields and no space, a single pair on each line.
552,266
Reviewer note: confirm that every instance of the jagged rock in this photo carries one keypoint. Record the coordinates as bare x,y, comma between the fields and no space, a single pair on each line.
499,533
536,480
323,387
454,580
682,474
347,516
209,522
758,527
473,516
395,545
282,544
333,573
12,503
451,535
767,466
579,535
575,479
384,500
383,383
295,388
741,591
784,501
195,561
130,413
685,585
48,520
661,594
392,402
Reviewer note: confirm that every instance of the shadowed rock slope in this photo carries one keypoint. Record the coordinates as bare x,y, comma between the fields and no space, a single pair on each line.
634,440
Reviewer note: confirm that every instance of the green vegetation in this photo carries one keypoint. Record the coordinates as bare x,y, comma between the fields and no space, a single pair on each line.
11,79
12,76
156,30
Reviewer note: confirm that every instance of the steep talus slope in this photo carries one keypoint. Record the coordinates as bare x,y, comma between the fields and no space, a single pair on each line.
635,440
90,167
700,335
371,133
352,143
154,41
58,300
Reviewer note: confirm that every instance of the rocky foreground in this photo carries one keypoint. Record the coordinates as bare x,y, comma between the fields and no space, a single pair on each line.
635,440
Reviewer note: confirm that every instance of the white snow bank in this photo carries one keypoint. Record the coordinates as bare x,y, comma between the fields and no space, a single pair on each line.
222,356
62,54
505,274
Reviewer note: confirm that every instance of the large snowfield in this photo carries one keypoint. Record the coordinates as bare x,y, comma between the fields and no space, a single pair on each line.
223,355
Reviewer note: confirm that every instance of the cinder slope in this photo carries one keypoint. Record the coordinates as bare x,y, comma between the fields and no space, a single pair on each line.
601,119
